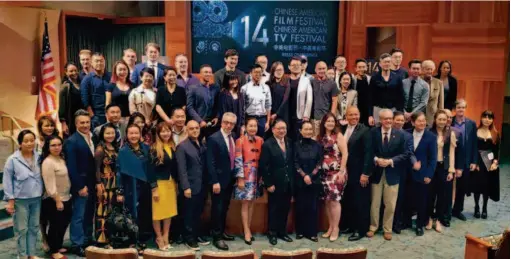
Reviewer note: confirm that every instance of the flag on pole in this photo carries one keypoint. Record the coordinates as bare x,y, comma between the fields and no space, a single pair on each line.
47,98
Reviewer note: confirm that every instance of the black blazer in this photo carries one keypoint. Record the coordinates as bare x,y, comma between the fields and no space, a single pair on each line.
191,160
458,163
397,150
470,143
226,104
80,163
283,110
275,167
219,164
450,99
166,169
308,158
359,160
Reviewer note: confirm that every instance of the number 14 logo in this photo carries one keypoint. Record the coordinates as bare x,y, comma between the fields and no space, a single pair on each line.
263,39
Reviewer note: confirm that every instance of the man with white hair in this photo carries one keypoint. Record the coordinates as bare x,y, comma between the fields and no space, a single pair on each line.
436,91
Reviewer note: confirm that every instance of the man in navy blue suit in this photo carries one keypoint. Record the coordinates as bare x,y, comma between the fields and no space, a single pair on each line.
152,51
468,134
425,151
79,153
388,151
220,158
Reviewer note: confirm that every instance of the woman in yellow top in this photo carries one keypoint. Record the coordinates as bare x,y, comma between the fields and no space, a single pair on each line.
165,170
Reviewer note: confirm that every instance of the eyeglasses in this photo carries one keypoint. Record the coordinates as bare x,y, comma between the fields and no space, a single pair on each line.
229,123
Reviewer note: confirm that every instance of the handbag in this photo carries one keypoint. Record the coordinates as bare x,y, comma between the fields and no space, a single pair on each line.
122,229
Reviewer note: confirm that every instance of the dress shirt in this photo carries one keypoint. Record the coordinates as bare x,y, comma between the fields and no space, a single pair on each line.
88,140
179,136
93,88
22,179
227,139
461,127
154,66
349,131
389,132
420,94
200,103
190,80
257,98
417,136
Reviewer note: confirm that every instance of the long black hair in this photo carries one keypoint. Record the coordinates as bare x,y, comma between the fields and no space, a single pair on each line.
46,148
101,136
439,68
65,78
226,83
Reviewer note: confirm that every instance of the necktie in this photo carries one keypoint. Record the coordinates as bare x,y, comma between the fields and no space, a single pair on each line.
409,104
385,139
231,151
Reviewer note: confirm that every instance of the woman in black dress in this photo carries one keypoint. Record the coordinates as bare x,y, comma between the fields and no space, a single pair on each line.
169,97
308,162
69,99
444,73
119,90
230,100
485,179
279,88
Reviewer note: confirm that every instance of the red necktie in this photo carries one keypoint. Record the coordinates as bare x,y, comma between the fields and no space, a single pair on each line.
231,151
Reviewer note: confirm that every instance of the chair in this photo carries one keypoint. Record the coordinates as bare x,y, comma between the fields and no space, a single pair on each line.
244,254
281,254
157,254
93,252
347,253
494,246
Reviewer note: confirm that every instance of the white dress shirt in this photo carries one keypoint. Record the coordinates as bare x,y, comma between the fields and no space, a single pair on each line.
88,140
153,65
349,131
417,136
227,139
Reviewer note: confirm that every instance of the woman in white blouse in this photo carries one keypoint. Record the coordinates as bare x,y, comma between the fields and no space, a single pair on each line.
57,186
143,98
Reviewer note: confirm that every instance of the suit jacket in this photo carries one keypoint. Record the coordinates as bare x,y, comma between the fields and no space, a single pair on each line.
352,100
450,99
458,163
427,153
80,163
436,99
396,150
167,169
275,167
135,76
218,162
226,104
359,161
191,162
470,142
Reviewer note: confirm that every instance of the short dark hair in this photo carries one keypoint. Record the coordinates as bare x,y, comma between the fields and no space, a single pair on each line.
414,61
22,134
178,109
416,115
81,112
278,121
260,55
398,113
295,58
360,60
255,66
395,50
205,65
112,105
169,68
99,54
231,53
384,56
248,119
147,70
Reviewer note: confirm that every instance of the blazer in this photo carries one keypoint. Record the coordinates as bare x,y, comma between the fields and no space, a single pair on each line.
167,169
135,76
304,98
352,100
458,163
283,110
226,104
450,99
80,162
277,168
436,99
426,152
191,160
470,142
308,157
359,161
396,150
218,162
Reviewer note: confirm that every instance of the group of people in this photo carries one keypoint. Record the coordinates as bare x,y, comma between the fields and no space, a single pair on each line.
154,141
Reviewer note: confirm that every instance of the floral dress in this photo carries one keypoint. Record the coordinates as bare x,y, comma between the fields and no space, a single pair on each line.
246,164
332,189
105,174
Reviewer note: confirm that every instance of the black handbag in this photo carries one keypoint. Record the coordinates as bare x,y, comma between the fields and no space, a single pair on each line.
122,229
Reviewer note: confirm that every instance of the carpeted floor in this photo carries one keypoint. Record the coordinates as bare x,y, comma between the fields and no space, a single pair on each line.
450,244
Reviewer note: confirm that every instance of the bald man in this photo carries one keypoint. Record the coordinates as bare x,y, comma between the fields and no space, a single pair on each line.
356,201
191,157
325,94
436,91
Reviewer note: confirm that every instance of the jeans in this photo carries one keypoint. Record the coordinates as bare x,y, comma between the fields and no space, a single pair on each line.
26,225
76,228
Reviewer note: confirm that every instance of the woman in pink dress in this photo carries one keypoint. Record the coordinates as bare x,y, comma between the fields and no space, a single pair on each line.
335,177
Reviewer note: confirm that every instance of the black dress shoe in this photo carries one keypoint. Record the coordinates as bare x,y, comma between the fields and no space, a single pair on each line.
203,241
345,231
419,232
484,215
286,238
227,237
299,236
477,214
396,230
220,244
78,251
273,240
460,216
249,242
446,223
252,239
313,238
355,236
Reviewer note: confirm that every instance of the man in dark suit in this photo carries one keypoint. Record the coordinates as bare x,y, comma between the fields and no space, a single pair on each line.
220,158
276,166
424,164
356,201
388,152
152,51
468,134
191,160
79,153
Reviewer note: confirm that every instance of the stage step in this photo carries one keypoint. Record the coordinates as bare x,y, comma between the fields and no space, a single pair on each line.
6,224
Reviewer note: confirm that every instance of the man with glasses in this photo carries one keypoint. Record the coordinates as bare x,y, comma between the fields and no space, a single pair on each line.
220,160
257,97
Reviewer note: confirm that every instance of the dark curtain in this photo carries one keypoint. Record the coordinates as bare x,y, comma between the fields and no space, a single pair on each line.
110,39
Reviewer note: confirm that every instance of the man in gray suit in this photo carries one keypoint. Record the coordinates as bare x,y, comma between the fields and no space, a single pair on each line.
416,92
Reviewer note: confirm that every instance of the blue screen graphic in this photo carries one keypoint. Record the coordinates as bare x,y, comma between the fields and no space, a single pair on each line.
278,29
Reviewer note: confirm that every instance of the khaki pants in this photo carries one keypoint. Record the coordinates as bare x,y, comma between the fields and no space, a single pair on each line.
389,200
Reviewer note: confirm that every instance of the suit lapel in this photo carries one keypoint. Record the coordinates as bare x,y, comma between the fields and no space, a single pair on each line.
84,144
353,134
221,140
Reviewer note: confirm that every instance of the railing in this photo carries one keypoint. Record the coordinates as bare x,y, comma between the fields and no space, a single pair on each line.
13,125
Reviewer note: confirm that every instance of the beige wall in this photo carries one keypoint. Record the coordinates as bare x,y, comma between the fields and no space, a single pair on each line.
21,29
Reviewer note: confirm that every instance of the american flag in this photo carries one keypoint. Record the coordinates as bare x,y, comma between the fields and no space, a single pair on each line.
47,100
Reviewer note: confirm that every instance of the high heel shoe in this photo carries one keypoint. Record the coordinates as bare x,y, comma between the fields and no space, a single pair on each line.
161,244
327,234
429,226
477,214
438,226
484,215
335,235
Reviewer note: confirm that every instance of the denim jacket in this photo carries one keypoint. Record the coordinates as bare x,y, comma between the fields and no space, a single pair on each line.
20,181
